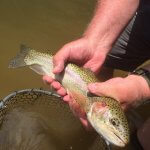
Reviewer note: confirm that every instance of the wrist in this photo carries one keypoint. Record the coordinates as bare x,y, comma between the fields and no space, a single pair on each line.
141,87
98,44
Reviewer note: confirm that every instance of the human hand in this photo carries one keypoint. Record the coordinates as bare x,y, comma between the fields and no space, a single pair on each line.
84,53
77,111
130,91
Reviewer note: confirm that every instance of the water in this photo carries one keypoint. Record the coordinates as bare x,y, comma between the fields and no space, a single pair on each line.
41,24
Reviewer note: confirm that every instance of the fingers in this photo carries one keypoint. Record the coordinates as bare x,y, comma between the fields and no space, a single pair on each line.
47,79
111,88
95,63
58,66
72,103
115,88
61,91
60,59
99,89
67,98
86,124
56,85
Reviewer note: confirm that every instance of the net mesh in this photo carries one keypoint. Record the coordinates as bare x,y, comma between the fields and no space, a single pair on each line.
26,97
65,132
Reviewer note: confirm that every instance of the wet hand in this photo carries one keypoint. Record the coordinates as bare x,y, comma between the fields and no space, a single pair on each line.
81,52
129,91
78,112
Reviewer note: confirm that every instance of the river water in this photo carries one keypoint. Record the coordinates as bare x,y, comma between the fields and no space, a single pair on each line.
41,24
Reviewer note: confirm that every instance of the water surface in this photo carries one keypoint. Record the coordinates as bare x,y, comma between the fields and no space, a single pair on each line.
41,24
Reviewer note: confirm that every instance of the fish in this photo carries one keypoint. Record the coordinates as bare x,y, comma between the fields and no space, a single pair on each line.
104,113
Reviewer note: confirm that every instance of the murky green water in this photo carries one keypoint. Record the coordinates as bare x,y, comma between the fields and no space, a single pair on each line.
41,24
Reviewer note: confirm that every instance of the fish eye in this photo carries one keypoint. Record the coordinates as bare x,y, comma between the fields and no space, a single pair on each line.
114,121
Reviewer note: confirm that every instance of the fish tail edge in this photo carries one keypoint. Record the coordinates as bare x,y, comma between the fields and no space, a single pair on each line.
18,61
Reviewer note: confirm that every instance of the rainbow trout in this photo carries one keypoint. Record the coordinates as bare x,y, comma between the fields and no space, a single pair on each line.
103,113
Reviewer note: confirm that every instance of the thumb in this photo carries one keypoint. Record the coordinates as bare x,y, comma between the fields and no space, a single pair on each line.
95,62
59,60
96,89
101,89
58,67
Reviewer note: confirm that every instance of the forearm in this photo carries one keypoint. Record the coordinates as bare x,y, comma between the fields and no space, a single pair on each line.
111,16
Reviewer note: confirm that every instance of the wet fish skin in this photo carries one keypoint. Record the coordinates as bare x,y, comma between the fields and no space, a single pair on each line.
104,113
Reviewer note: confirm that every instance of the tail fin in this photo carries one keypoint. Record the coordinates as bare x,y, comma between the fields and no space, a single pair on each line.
18,61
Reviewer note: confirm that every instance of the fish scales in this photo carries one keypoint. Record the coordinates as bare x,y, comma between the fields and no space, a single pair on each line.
104,113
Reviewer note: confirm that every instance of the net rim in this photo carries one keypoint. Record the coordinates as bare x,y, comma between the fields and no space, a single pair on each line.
11,95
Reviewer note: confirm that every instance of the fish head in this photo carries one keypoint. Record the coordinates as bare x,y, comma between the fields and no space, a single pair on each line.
109,122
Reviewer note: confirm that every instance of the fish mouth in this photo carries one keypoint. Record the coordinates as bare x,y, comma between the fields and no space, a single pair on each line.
118,140
122,143
109,135
105,129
